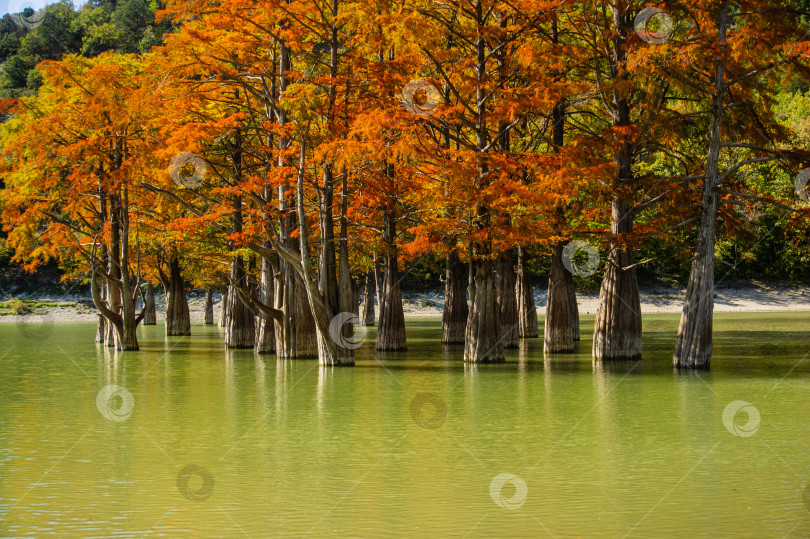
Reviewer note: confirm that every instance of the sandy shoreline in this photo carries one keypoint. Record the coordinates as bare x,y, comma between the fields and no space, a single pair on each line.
753,298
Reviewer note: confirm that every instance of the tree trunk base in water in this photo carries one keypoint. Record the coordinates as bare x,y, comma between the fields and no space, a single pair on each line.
483,341
507,301
456,310
617,329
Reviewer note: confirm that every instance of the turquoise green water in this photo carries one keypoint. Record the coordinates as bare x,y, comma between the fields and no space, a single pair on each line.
412,444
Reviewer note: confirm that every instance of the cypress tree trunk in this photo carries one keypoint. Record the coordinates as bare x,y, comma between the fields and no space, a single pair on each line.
573,308
239,324
178,320
559,330
456,310
617,329
367,313
208,309
296,334
527,309
391,332
223,307
266,326
149,317
693,346
101,327
482,343
507,301
240,327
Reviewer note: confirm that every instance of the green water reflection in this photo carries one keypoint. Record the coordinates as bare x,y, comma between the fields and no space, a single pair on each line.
408,443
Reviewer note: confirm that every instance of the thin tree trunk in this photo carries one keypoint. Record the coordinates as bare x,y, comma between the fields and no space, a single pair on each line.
149,317
369,294
482,343
456,310
573,308
559,331
527,309
693,346
507,301
208,309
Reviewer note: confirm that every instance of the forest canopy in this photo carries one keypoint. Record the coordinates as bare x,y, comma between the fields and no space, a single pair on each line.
302,154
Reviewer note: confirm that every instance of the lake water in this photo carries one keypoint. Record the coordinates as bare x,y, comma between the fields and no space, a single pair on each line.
200,441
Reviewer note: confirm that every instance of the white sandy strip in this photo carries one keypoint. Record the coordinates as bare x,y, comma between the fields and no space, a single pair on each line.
660,300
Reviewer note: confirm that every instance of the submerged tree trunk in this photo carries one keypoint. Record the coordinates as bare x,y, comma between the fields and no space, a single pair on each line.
223,307
559,329
240,326
573,308
391,332
178,320
266,325
101,327
149,317
617,329
456,310
208,309
693,346
369,293
507,301
527,308
482,343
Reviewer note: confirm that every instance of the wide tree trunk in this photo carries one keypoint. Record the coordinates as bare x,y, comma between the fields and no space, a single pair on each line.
456,310
369,293
693,346
295,334
391,332
265,325
178,319
527,308
149,317
617,329
559,330
507,301
240,326
483,342
208,308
